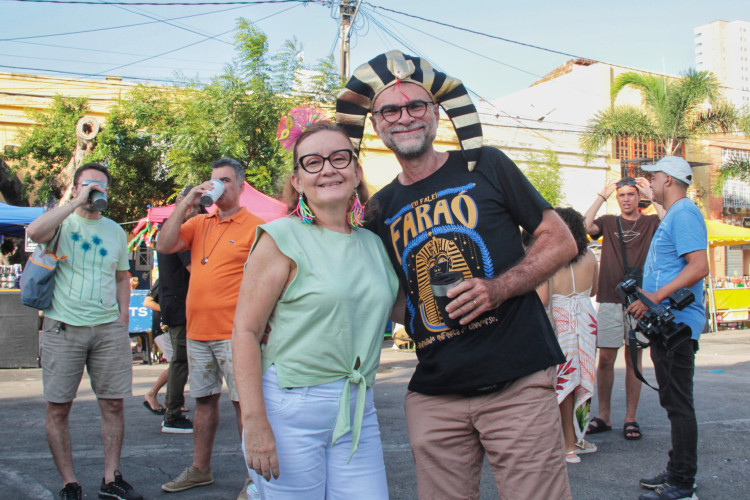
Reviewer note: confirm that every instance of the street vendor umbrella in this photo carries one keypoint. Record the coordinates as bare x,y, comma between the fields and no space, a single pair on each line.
725,234
13,220
720,234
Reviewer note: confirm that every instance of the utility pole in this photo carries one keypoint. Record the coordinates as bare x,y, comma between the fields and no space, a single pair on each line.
348,12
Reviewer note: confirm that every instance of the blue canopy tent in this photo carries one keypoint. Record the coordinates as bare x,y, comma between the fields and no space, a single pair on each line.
13,220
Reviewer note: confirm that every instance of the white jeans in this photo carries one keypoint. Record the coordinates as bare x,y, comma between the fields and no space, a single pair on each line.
303,419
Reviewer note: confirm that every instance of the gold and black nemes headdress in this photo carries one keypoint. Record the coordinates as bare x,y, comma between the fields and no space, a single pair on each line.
370,79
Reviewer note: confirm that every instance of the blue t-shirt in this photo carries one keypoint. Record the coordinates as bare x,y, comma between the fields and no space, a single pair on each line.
682,231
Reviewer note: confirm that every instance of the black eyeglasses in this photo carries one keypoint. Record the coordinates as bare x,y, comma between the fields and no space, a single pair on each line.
392,114
626,182
339,159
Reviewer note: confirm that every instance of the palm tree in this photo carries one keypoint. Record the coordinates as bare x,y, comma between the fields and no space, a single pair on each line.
673,111
736,167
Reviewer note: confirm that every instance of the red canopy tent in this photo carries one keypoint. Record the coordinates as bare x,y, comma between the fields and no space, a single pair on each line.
257,203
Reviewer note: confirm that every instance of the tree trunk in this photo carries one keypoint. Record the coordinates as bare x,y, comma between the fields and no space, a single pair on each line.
11,187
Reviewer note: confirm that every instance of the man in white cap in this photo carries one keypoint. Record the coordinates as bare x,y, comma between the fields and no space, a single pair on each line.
676,259
485,382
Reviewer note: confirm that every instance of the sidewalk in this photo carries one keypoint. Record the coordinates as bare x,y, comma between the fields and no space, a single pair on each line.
151,458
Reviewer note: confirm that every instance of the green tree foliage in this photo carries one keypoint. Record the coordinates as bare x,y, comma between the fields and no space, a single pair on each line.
286,66
326,81
50,145
735,168
545,174
158,139
138,177
672,111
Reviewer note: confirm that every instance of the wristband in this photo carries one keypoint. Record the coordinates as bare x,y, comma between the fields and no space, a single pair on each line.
602,196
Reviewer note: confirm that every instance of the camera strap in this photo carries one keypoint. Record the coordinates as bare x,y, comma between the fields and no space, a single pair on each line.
634,344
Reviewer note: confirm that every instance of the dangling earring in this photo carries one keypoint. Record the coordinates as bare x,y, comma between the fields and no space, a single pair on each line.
356,215
303,211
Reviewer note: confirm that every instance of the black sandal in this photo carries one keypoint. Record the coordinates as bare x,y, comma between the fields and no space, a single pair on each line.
600,426
160,411
632,431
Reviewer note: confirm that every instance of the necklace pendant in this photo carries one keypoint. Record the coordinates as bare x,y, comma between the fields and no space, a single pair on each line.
204,260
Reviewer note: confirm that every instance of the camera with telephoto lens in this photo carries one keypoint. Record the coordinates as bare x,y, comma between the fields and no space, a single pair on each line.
657,323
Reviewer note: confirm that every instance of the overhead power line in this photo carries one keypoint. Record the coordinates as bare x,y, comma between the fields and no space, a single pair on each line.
159,4
452,26
529,45
92,30
76,73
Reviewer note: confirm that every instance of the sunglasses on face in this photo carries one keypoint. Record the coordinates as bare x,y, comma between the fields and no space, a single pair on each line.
392,113
624,183
313,163
102,184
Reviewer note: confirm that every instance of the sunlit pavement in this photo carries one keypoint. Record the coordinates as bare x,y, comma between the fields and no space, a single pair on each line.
150,458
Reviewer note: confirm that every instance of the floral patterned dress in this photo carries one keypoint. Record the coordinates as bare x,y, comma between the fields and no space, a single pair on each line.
574,320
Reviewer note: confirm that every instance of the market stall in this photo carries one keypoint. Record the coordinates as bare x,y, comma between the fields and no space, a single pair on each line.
19,325
13,220
733,302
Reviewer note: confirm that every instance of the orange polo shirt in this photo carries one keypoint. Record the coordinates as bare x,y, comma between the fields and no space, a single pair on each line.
214,286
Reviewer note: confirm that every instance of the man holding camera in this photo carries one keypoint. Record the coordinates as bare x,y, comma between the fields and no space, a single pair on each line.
87,325
625,242
676,259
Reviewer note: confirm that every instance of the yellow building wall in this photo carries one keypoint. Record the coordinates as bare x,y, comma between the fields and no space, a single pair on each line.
19,92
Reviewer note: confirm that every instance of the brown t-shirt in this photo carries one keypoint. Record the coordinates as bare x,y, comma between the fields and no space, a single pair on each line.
637,235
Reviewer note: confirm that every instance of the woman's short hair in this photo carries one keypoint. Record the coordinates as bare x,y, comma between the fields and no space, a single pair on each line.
575,223
290,195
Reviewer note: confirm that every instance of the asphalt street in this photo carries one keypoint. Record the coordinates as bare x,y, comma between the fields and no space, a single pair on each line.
150,458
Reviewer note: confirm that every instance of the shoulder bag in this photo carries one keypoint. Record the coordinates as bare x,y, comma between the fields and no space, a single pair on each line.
38,278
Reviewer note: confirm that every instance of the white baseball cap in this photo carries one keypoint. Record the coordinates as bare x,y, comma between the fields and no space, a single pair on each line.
674,166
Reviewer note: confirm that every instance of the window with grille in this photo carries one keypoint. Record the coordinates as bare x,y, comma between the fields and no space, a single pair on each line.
736,193
631,148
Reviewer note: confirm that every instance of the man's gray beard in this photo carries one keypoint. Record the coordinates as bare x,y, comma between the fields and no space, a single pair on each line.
412,151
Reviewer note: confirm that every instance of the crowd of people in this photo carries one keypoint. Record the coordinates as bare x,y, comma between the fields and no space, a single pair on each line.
290,314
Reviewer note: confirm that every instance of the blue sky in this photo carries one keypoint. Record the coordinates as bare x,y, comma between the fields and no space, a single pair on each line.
650,35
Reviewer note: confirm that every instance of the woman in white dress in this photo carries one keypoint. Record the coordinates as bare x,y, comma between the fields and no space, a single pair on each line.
574,318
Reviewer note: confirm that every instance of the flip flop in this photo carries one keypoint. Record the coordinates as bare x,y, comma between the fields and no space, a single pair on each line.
160,411
600,426
632,431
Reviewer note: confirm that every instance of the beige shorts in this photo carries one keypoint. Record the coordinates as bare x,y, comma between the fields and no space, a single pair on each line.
613,325
164,341
104,350
210,361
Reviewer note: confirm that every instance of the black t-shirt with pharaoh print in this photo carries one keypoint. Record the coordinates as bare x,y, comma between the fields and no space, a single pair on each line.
456,220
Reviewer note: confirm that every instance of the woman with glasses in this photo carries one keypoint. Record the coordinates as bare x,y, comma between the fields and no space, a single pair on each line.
325,288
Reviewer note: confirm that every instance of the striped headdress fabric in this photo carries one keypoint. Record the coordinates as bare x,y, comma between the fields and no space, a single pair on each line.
355,100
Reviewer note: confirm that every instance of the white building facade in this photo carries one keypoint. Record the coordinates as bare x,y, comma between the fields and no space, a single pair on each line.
723,47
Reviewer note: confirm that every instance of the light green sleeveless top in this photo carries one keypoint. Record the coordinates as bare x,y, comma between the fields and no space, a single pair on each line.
329,322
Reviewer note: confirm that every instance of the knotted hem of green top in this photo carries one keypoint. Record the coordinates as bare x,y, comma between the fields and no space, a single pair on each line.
344,416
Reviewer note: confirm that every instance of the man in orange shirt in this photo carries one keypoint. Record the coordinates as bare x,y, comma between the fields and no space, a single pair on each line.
219,243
